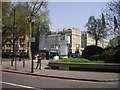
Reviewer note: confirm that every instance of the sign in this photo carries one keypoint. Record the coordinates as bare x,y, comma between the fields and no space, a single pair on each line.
32,39
64,39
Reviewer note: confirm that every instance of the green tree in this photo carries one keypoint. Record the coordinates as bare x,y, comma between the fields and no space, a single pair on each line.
114,42
6,16
96,28
23,16
14,23
9,9
40,11
41,26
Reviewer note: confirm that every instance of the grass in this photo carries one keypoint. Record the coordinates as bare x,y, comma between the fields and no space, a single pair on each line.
78,60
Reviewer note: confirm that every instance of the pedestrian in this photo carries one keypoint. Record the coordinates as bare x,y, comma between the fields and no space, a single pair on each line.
10,55
39,57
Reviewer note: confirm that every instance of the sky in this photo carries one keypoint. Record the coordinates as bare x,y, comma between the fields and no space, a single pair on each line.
73,14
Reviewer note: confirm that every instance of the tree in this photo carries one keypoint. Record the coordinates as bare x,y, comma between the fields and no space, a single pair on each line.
41,23
114,42
112,15
13,12
23,16
96,28
42,26
6,26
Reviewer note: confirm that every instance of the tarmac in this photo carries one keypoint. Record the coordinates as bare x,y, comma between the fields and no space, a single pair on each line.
74,75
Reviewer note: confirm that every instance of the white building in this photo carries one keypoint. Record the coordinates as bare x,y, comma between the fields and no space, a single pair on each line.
49,42
75,38
86,40
78,40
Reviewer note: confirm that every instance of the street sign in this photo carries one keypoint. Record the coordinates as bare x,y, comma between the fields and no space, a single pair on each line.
32,39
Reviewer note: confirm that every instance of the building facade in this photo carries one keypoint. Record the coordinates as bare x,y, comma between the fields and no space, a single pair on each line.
75,38
86,40
78,40
51,42
21,45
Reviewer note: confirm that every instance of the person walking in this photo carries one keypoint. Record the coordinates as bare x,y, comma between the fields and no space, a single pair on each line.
39,57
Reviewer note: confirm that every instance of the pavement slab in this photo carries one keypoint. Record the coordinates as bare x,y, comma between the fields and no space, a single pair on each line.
76,75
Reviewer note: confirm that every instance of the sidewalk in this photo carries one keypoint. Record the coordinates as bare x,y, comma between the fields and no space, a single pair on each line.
75,75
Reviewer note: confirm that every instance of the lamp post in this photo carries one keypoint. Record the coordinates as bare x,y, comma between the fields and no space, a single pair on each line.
32,24
13,41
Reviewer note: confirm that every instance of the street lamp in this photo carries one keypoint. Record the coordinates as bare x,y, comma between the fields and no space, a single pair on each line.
13,41
32,23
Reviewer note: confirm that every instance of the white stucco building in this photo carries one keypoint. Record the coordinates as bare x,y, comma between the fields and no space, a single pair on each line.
86,40
77,40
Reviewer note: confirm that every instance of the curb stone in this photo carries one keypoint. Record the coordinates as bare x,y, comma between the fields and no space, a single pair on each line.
43,75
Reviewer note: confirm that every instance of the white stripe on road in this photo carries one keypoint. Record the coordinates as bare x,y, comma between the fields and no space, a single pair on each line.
19,85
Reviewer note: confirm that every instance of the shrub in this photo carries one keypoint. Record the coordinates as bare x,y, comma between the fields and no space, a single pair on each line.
116,56
111,55
63,55
107,55
117,47
78,60
72,60
95,57
99,61
91,50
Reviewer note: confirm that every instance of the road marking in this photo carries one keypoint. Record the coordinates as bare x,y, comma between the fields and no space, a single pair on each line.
62,79
37,76
18,85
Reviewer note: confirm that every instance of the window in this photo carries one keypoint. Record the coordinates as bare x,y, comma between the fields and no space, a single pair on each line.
21,40
8,45
21,45
8,50
21,50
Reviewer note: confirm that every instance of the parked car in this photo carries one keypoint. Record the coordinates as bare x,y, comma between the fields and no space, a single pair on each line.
56,58
52,54
73,55
78,55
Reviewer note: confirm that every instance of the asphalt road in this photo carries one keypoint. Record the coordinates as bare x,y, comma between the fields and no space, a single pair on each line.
14,80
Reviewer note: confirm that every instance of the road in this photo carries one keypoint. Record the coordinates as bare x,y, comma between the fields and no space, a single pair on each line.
14,80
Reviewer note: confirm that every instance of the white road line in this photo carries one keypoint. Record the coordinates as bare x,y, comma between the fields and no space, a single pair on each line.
19,85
